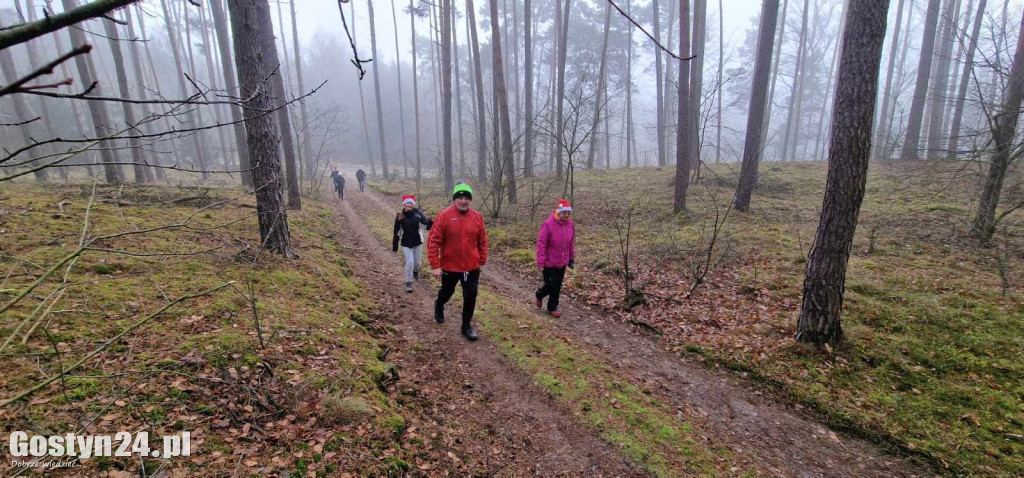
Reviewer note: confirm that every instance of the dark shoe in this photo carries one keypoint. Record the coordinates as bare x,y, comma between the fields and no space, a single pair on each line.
408,286
439,316
469,333
537,302
416,276
554,313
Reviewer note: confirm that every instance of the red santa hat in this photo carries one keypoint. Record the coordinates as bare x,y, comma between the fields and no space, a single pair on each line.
409,198
563,206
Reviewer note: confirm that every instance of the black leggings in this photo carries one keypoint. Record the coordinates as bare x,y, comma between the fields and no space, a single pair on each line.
470,282
552,287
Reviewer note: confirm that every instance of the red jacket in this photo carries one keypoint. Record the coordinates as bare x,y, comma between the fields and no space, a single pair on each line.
458,241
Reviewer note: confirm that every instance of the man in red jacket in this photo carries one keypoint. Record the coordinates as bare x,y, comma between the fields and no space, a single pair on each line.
457,249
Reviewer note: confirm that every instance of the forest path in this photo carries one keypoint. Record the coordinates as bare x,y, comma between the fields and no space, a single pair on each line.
761,432
496,420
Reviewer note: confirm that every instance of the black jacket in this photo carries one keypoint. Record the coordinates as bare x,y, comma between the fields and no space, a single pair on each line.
409,226
339,180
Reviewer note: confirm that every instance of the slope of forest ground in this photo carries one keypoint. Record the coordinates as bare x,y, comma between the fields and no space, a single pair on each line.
932,321
313,401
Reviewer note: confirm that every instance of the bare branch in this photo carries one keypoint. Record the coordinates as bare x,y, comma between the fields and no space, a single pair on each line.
47,69
50,23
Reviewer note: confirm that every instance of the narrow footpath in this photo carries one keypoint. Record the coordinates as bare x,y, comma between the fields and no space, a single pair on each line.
491,393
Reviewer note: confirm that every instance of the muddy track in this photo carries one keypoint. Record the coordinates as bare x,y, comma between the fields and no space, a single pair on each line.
496,420
779,439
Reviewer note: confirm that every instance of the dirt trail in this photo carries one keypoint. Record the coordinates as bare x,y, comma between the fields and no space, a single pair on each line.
779,439
496,420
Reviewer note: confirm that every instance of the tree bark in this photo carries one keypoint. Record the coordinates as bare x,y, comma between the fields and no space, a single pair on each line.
199,152
97,110
659,108
23,113
501,93
718,87
231,85
458,92
684,147
401,97
528,93
602,81
415,94
697,80
1003,132
134,144
883,125
780,41
51,23
303,112
256,59
758,105
629,91
941,81
376,92
446,93
362,102
965,76
912,143
563,41
793,116
481,139
184,19
850,151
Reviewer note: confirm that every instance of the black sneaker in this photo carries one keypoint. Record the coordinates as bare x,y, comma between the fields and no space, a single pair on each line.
469,333
416,275
439,315
408,286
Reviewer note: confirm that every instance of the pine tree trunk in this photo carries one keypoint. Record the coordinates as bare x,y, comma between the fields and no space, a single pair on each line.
65,70
563,41
446,93
101,124
44,104
793,115
965,76
629,91
231,85
882,128
22,112
458,91
888,145
697,81
502,109
362,101
912,143
853,112
376,92
307,152
516,86
199,152
779,43
940,81
818,137
134,145
599,100
256,59
684,148
1003,132
284,124
718,87
528,93
415,95
481,140
659,108
758,105
668,112
152,173
184,19
212,76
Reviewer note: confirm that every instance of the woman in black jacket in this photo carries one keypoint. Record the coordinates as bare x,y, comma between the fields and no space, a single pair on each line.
407,230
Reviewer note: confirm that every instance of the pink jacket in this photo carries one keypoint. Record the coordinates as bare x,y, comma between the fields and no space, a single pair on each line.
556,242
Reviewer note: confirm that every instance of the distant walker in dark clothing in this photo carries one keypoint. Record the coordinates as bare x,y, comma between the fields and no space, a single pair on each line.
339,183
361,177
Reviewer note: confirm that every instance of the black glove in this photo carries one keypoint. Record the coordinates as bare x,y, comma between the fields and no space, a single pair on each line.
571,261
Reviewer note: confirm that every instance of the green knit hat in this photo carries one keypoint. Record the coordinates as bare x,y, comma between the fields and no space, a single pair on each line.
462,189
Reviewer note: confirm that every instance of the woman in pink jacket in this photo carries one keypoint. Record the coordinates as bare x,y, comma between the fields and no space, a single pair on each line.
556,250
